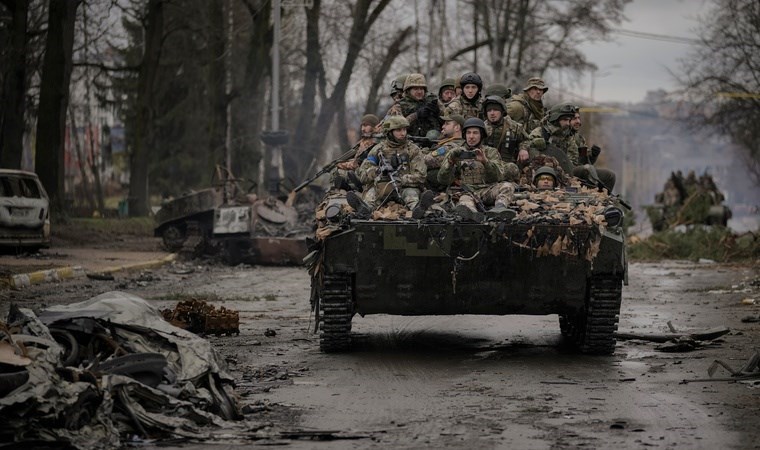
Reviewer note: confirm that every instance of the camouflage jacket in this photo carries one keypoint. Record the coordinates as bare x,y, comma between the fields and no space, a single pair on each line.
471,172
465,108
506,137
548,134
406,159
418,126
526,111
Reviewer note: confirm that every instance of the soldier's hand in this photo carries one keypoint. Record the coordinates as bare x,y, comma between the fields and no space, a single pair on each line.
523,155
595,151
480,156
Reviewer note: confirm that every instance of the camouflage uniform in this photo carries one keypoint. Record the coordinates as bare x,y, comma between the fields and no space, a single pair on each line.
486,180
525,110
505,135
464,107
433,160
410,174
423,115
585,168
549,134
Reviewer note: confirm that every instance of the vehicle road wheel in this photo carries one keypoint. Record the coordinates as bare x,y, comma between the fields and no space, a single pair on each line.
595,330
173,237
335,313
566,325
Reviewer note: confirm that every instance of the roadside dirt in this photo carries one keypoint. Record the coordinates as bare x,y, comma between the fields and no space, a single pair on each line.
471,381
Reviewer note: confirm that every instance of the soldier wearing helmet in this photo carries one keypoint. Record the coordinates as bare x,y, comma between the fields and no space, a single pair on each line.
393,170
527,107
504,134
499,90
585,168
397,93
339,177
451,137
447,91
554,136
418,106
545,178
476,174
469,103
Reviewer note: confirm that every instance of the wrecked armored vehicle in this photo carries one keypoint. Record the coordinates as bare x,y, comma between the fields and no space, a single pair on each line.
241,227
563,253
688,201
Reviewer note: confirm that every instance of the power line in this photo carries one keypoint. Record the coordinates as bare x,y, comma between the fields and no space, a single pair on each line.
656,37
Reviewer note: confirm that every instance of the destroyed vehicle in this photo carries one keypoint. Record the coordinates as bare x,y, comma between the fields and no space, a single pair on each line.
688,201
241,227
24,211
563,253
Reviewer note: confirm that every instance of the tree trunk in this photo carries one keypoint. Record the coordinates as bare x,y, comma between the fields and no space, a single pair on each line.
312,72
14,89
217,121
77,144
54,99
396,48
144,123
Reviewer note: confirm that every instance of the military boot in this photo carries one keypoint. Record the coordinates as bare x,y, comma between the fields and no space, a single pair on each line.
363,210
468,214
426,201
501,212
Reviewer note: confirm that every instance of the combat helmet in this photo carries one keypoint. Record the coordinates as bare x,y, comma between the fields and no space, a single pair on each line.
545,170
561,110
394,123
491,99
498,90
433,135
474,122
471,78
448,82
370,119
397,85
415,80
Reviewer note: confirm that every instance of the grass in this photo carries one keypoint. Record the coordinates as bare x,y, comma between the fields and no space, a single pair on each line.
136,226
715,243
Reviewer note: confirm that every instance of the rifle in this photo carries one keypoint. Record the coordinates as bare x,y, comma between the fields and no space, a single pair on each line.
423,141
475,197
329,167
387,168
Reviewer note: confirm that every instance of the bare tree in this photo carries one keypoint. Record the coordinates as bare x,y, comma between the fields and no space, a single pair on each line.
722,77
54,98
13,93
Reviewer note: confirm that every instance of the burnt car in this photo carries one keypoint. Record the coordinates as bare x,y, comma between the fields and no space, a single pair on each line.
24,211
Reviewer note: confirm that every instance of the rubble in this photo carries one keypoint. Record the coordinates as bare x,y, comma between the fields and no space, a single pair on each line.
200,317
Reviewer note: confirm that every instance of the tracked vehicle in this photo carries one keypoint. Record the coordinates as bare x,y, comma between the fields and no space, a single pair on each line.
563,253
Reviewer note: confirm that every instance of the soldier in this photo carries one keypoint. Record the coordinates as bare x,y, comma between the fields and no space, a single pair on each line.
528,106
397,93
475,174
545,178
469,103
451,137
339,177
419,109
393,170
446,92
585,169
554,136
504,134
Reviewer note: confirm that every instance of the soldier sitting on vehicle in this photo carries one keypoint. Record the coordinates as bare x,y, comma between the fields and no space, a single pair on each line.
504,134
475,174
393,170
470,102
545,178
451,137
527,107
340,177
585,169
419,107
446,93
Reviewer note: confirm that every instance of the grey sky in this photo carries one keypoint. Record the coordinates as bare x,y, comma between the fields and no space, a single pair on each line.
630,66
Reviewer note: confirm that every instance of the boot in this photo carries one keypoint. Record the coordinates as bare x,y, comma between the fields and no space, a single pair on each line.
426,201
363,211
468,214
501,212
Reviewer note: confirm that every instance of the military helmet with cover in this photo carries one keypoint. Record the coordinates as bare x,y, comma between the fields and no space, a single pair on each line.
394,123
494,99
415,80
397,85
471,78
561,110
545,170
497,89
433,135
474,122
448,82
370,119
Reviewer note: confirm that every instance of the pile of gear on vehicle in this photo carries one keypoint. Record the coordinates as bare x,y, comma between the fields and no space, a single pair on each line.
473,155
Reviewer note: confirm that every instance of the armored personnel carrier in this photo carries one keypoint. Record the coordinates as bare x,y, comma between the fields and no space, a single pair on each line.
563,253
688,201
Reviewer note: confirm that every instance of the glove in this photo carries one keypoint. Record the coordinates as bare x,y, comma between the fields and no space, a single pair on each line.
595,151
583,155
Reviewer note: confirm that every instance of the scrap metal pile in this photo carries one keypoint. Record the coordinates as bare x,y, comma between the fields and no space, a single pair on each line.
98,373
688,201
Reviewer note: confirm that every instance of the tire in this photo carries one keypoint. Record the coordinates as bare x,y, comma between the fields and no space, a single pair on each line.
70,346
9,381
594,329
147,368
335,313
173,237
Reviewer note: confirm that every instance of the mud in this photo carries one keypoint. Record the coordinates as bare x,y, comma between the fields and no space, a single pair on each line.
470,381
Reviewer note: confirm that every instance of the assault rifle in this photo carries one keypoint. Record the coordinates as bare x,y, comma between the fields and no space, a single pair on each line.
330,166
386,168
423,141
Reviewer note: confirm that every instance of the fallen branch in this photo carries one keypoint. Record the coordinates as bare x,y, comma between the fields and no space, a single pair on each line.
706,335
